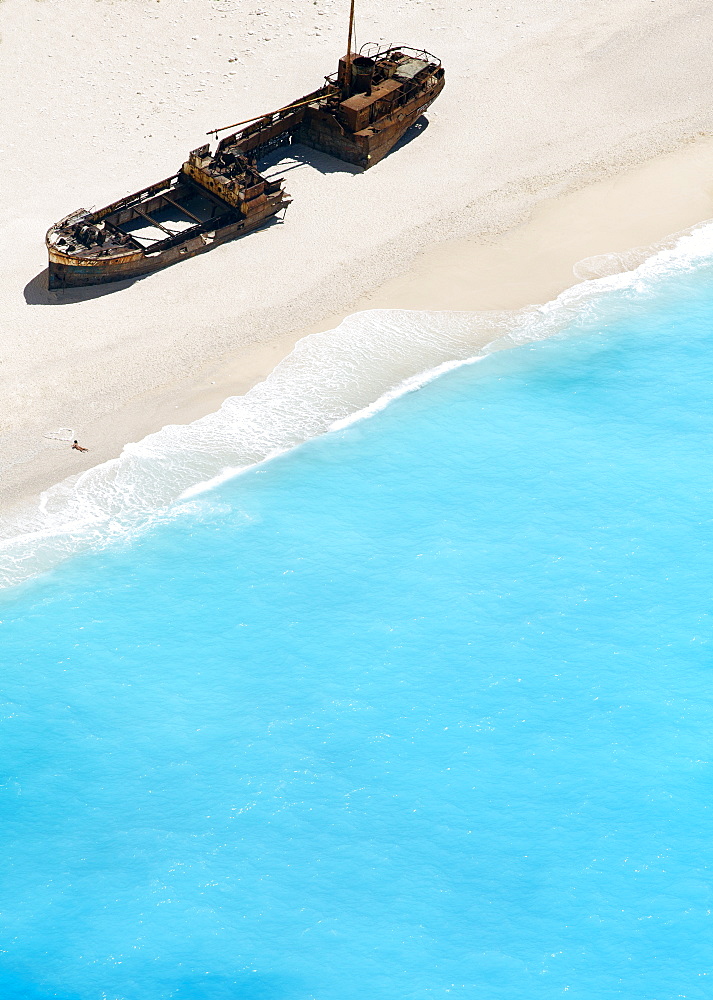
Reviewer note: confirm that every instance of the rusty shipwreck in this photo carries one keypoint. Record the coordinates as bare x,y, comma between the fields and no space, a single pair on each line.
357,115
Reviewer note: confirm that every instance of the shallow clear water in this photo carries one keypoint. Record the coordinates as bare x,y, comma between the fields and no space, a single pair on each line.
421,708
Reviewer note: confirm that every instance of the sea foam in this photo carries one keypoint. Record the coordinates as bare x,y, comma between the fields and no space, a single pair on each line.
330,379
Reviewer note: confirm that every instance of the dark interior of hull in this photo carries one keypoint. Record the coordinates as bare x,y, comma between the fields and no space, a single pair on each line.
171,216
185,211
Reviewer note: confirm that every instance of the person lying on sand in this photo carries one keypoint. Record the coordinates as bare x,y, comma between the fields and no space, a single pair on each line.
78,447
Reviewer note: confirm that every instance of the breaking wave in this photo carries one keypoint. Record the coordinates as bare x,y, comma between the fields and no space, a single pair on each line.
607,264
329,380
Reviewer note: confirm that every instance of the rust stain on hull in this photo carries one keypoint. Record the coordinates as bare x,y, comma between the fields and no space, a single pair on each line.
357,116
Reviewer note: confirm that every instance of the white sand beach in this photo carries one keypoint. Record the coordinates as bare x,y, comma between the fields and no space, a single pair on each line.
565,131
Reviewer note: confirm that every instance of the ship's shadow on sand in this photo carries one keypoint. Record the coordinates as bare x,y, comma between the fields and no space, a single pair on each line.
37,293
304,155
298,155
411,133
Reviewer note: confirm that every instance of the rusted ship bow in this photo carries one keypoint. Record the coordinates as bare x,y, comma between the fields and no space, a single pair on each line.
358,116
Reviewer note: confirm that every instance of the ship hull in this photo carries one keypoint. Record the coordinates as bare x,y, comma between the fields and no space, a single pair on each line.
366,148
73,271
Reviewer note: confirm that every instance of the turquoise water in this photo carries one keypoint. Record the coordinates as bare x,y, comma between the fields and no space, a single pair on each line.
419,709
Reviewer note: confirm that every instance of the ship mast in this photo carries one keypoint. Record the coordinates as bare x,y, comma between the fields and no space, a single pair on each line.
348,60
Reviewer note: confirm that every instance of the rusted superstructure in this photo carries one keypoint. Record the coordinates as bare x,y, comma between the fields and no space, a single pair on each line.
357,116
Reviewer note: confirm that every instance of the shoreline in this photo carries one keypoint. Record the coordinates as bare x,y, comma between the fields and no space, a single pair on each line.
553,140
528,264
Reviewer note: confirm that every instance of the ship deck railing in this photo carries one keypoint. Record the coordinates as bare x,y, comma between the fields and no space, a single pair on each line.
408,49
133,199
268,121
